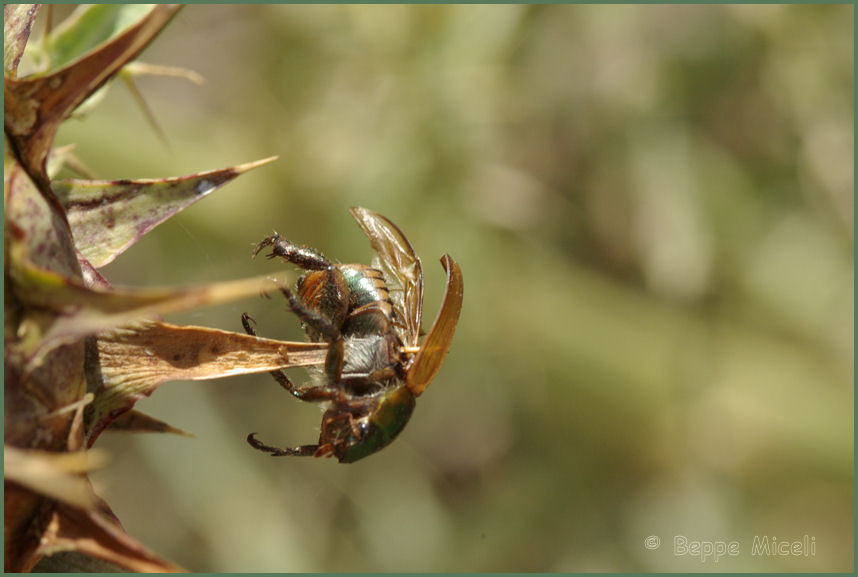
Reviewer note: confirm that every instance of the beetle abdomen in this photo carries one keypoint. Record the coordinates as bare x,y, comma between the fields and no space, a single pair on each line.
366,286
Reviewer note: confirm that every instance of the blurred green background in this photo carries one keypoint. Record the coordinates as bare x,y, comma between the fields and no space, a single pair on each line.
653,210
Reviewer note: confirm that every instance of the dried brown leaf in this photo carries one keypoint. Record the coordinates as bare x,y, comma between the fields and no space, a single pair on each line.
146,69
77,310
137,422
133,362
93,534
54,475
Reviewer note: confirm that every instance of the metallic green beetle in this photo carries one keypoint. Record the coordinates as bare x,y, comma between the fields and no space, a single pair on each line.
375,366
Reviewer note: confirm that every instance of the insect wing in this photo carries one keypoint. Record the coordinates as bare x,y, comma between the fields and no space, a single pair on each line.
433,350
401,268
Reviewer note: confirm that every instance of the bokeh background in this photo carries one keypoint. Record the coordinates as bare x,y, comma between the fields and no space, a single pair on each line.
653,210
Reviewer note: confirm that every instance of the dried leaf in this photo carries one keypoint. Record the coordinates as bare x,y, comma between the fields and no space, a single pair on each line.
144,108
77,437
136,69
63,157
74,562
17,21
146,69
34,226
91,277
134,362
79,311
25,515
107,217
54,475
92,534
35,106
136,422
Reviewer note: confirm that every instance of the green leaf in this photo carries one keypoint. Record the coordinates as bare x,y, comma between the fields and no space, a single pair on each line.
87,27
35,106
107,217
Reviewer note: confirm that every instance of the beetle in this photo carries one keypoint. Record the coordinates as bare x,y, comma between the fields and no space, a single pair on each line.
370,316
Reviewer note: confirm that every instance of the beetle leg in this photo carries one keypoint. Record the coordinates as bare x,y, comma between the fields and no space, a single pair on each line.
308,316
249,323
322,324
366,381
388,372
340,417
300,451
355,431
326,450
304,257
309,394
